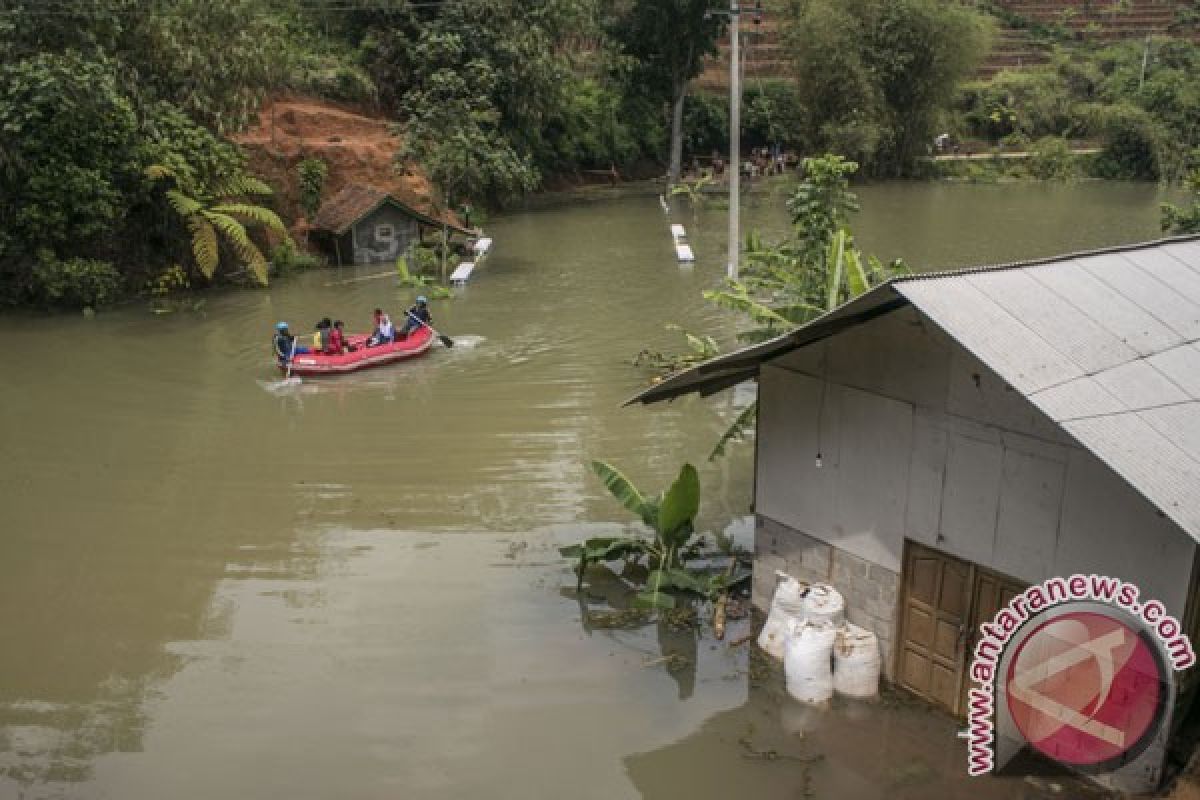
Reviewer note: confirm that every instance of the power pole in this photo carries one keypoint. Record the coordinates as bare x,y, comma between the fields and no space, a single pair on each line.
735,144
735,129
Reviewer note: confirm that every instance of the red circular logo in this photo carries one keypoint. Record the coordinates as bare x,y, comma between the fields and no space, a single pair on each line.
1086,689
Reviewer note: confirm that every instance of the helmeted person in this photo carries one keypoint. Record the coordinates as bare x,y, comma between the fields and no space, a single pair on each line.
415,316
284,344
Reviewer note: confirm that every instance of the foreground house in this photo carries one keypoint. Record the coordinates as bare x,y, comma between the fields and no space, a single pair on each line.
365,225
944,440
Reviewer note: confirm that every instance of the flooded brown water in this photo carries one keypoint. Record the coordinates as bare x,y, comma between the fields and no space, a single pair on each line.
352,590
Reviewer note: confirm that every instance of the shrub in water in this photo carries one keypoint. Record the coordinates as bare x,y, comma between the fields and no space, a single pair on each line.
74,282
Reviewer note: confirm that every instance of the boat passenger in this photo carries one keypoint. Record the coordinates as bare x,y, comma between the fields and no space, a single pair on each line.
337,340
416,315
285,344
324,327
384,333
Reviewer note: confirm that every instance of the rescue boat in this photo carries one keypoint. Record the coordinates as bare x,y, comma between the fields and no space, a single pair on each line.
415,344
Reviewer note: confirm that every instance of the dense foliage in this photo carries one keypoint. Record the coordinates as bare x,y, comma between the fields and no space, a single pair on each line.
1139,100
491,98
93,94
873,76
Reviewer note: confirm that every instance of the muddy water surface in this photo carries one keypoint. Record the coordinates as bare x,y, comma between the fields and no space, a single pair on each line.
352,590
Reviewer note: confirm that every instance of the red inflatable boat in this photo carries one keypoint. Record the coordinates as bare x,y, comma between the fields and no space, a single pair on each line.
417,343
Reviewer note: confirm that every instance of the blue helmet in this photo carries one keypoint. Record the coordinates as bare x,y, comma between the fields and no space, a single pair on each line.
281,326
421,301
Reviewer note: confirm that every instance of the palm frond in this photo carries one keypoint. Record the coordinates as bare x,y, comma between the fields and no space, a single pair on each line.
735,300
241,186
253,213
157,172
184,206
258,266
737,431
204,245
235,233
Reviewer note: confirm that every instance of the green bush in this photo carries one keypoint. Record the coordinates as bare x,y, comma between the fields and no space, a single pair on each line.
74,282
1051,159
1133,142
311,174
344,82
287,257
773,113
705,124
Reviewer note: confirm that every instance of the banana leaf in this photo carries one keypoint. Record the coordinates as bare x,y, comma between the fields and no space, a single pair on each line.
652,600
738,430
679,508
856,276
835,263
604,548
626,493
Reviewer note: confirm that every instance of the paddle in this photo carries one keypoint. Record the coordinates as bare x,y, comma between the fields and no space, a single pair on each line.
446,340
291,358
288,380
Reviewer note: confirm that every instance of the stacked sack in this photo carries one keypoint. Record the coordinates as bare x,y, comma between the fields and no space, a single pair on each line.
821,652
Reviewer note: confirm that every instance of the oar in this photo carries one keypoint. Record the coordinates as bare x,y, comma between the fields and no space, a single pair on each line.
446,340
288,380
291,358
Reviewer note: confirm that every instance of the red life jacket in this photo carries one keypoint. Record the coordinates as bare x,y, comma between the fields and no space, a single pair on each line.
336,342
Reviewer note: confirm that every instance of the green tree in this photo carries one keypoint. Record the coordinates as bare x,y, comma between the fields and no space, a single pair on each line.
669,40
68,136
481,86
874,75
809,273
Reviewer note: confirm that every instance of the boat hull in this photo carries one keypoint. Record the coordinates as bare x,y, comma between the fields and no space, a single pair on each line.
316,364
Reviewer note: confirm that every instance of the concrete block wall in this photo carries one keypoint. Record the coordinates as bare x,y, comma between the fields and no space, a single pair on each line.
870,590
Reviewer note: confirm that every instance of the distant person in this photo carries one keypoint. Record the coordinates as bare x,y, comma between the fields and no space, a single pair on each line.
285,344
384,332
337,340
415,316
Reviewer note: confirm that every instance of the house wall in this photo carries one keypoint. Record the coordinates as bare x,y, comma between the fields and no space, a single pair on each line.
919,440
370,247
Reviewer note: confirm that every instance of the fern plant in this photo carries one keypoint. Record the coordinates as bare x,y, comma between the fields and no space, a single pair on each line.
213,213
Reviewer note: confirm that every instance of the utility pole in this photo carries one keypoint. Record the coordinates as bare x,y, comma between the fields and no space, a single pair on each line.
735,128
735,144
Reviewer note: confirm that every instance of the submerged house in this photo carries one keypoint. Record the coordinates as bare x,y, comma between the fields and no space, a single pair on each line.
365,225
939,443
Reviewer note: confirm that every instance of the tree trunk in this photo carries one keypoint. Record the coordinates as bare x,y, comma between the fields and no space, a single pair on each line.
676,158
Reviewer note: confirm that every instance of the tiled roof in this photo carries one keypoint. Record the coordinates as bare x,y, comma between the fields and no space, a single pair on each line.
356,201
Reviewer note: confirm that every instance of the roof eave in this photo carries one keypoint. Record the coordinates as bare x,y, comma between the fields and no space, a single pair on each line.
731,369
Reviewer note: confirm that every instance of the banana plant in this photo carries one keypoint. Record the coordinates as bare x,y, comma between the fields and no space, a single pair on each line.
670,515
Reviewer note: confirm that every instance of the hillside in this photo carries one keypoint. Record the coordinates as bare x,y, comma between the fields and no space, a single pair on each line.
358,149
1015,44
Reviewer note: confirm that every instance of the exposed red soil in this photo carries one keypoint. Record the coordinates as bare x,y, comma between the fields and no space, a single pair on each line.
358,149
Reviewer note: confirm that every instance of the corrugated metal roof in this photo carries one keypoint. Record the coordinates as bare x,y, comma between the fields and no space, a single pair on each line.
1106,344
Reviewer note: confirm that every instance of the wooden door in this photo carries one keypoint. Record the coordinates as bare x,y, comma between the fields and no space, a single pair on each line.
990,592
936,606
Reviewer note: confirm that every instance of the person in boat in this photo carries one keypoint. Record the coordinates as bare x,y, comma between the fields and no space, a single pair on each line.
416,315
337,340
285,344
384,333
324,334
